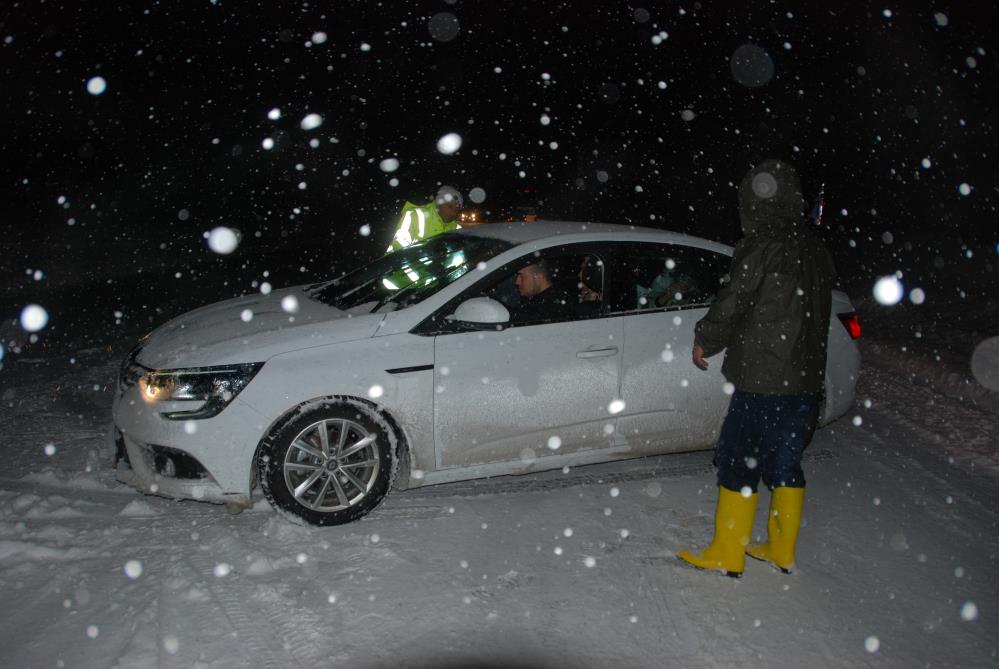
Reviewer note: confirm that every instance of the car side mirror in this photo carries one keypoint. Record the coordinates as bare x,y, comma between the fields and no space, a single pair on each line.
480,311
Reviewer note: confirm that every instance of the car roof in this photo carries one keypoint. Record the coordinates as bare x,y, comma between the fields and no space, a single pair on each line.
521,232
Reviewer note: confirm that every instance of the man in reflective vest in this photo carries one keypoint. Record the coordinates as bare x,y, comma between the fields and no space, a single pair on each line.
419,222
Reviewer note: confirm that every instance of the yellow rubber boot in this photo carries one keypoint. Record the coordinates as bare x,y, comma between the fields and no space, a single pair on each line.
733,526
782,529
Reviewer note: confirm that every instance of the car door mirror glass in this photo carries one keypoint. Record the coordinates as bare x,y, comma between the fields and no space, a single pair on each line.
481,310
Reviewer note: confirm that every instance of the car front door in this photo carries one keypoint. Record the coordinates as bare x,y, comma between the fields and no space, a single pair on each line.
537,387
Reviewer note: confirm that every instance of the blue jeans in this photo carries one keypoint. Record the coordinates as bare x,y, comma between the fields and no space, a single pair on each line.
765,436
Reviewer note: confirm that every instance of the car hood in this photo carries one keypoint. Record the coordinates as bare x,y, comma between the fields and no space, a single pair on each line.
220,334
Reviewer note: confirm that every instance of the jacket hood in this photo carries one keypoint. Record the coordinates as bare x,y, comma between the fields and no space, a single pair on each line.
770,199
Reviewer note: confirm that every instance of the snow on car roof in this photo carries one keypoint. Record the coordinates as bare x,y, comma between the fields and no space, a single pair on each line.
519,232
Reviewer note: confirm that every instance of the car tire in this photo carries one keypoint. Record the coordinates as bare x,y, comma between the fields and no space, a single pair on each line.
333,479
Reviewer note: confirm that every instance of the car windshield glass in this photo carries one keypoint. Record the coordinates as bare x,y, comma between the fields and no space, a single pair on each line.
410,275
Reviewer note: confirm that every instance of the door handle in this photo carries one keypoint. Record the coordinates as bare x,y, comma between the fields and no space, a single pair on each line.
597,352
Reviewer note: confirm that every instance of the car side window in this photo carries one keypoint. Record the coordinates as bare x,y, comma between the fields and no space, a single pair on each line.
654,277
556,285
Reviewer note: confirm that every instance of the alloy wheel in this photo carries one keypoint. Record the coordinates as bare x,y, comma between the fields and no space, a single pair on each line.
332,465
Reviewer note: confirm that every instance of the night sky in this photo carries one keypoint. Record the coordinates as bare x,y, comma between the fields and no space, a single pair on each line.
630,113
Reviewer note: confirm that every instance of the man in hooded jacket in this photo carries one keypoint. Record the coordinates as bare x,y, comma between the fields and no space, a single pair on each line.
772,321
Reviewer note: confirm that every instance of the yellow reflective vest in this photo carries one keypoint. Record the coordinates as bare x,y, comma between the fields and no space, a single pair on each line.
418,222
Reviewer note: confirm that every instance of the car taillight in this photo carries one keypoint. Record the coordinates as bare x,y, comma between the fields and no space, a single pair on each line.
851,321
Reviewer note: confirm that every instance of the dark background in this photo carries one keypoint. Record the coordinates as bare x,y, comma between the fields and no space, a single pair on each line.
173,147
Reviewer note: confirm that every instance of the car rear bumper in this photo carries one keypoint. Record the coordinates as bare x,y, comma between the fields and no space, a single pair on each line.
841,383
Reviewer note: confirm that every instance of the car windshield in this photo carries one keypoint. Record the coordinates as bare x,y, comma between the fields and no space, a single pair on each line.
410,275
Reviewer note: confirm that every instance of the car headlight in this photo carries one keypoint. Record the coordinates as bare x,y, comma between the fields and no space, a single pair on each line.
212,388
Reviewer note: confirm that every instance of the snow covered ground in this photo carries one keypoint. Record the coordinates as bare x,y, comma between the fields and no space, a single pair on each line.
897,556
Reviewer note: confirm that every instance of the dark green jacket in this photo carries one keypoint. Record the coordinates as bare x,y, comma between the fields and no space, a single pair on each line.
772,317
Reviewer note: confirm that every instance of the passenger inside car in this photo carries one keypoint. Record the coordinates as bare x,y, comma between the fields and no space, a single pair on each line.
543,297
667,289
550,289
590,279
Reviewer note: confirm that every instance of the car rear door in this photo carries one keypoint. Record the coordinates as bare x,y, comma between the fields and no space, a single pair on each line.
661,291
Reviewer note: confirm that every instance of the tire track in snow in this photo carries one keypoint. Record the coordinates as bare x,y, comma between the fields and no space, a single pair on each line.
37,592
302,632
270,618
236,609
938,432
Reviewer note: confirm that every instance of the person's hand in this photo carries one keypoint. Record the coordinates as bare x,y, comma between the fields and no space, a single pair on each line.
698,357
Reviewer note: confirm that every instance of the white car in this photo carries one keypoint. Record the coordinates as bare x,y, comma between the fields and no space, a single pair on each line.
424,367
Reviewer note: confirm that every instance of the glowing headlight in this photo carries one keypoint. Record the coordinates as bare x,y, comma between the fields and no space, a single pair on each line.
213,387
156,387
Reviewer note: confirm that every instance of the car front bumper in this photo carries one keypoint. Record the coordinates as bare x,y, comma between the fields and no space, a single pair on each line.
208,460
155,470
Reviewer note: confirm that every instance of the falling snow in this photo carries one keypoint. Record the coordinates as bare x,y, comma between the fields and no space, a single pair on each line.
96,85
222,240
888,290
34,318
293,133
311,121
449,143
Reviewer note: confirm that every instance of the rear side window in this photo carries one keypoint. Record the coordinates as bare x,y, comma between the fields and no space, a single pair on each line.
660,277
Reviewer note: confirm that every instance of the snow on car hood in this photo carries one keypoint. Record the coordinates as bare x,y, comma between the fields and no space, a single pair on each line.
252,329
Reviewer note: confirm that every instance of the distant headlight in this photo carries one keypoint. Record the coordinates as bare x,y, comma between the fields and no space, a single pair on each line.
213,387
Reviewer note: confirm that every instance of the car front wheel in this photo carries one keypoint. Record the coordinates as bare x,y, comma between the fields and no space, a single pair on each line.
327,464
